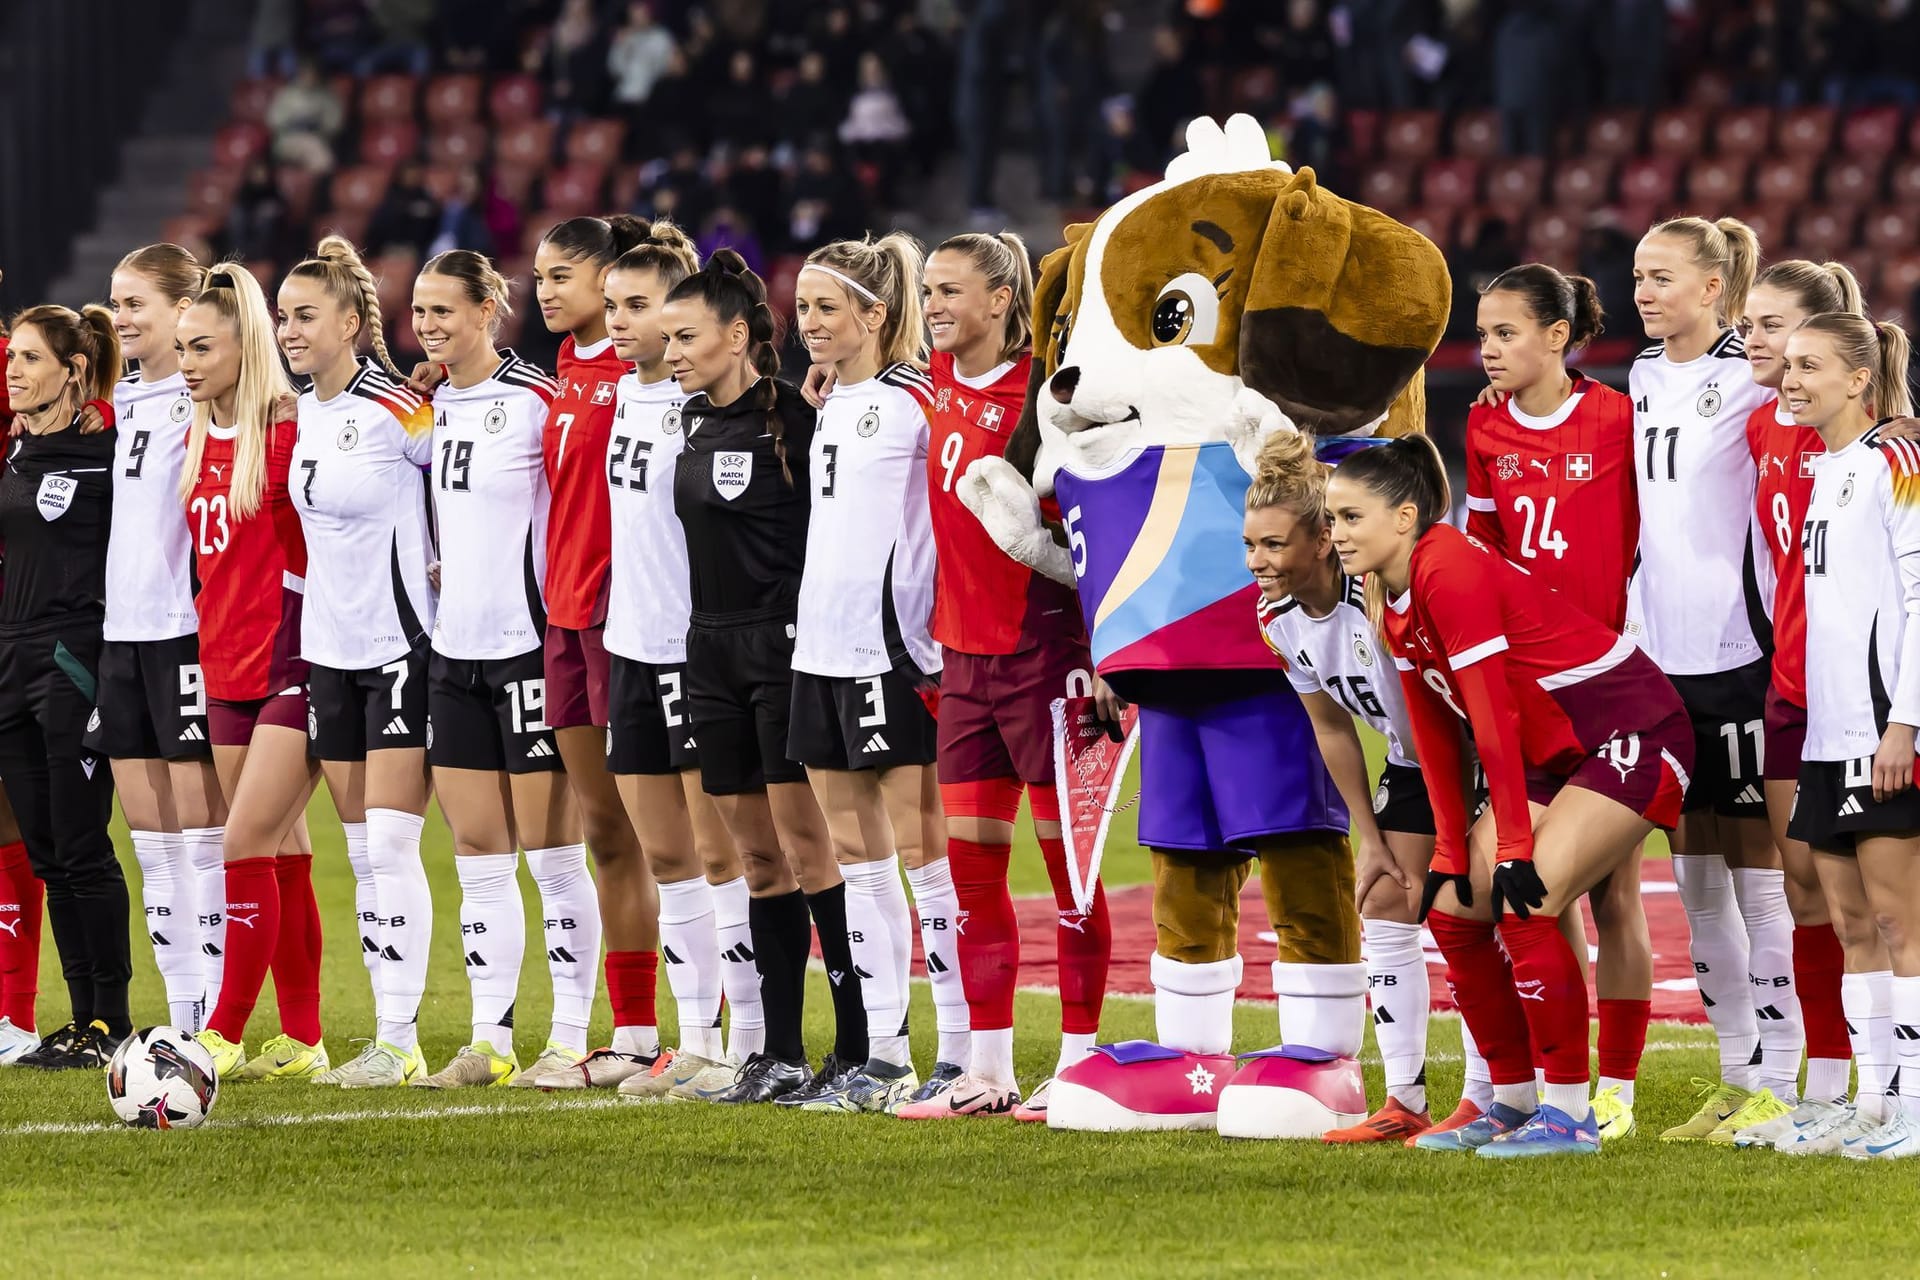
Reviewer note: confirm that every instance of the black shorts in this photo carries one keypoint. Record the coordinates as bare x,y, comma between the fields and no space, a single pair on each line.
739,686
383,708
152,701
860,722
1729,714
489,713
1401,802
648,730
1834,806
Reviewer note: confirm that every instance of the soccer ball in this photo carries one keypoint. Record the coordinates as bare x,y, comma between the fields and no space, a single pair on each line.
162,1078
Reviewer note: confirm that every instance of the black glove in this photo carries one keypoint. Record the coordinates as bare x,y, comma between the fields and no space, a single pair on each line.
1462,889
1517,884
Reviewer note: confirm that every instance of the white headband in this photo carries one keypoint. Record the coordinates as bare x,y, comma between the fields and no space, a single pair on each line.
845,279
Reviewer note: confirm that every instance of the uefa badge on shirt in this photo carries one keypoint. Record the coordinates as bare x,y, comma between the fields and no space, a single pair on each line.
56,495
731,472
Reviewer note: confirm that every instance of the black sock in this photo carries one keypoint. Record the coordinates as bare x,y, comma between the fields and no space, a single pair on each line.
778,927
829,909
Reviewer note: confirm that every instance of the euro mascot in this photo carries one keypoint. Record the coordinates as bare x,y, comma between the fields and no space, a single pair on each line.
1173,334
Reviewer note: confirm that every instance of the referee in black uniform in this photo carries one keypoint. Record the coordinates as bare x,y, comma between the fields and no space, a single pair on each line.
55,507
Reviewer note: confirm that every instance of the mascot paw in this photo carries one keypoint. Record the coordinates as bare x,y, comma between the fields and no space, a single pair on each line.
1009,510
1253,420
1292,1092
1137,1087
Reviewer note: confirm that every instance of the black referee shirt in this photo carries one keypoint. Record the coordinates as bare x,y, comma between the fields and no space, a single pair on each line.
746,524
56,506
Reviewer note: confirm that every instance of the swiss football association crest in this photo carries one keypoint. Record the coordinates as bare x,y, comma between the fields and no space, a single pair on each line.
1508,467
868,424
496,420
1708,404
731,472
181,409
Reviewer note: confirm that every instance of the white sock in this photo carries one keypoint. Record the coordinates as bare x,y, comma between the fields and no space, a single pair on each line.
1827,1079
1762,896
739,977
173,922
1523,1096
690,953
1074,1045
366,906
404,904
1323,1006
1573,1099
1904,999
880,935
1397,982
1478,1088
938,906
993,1057
493,933
207,856
1613,1082
570,909
1865,1000
1720,964
1193,1003
641,1042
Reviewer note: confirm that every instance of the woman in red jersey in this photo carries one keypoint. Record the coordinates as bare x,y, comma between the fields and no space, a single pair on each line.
251,559
1544,689
1550,487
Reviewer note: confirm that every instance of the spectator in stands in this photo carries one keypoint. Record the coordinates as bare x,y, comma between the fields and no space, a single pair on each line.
677,187
1630,41
400,37
753,186
336,32
574,62
1067,63
640,54
827,203
921,63
1171,96
740,109
673,113
1122,158
256,227
724,228
1606,258
876,130
1305,54
304,117
1493,251
809,107
462,223
270,44
1528,54
1313,134
408,216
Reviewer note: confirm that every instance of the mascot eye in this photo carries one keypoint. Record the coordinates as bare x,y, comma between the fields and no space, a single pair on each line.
1187,312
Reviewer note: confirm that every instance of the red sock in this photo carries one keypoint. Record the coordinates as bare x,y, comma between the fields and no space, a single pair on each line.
633,986
1483,988
1552,995
1817,965
21,899
253,931
1086,945
296,957
989,941
1623,1037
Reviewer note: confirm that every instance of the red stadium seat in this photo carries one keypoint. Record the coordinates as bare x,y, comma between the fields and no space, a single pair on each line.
1872,131
393,274
453,99
188,230
1363,134
351,223
359,188
387,98
511,99
623,188
236,144
296,184
528,144
1678,131
573,191
1805,131
1436,224
1554,238
1650,180
1853,180
250,101
1386,187
1784,179
1477,134
1823,231
1769,223
1711,89
388,144
1743,132
1412,135
1450,184
1472,220
210,192
515,182
1903,180
1585,181
1899,277
596,142
782,275
1516,183
1719,182
461,144
1890,229
1613,133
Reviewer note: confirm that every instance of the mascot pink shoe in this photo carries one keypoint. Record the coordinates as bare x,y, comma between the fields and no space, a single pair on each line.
1138,1086
1292,1091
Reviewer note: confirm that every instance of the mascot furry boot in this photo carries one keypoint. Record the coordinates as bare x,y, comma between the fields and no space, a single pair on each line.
1173,334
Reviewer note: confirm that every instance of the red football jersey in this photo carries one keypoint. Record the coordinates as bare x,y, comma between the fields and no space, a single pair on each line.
1477,639
1785,451
580,523
251,574
984,602
1556,496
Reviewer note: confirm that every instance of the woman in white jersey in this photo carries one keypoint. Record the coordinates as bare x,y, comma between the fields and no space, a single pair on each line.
152,703
495,765
1697,605
1857,805
356,484
1315,617
865,668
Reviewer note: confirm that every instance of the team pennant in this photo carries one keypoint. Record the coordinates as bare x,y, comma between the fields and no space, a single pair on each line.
1088,767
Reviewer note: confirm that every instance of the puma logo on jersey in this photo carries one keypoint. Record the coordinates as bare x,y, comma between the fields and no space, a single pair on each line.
1073,920
234,917
1546,468
216,469
12,928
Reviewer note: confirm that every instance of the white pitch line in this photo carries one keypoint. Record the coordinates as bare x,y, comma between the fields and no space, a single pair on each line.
459,1112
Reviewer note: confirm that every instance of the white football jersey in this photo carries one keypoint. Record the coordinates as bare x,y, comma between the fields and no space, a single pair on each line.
1861,545
867,593
357,484
149,553
490,498
1697,603
1341,655
648,601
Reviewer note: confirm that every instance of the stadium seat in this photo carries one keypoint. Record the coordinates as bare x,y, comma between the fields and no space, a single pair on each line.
1713,90
573,191
1363,135
359,189
1412,135
1515,183
511,99
1890,229
210,192
1613,133
528,144
250,101
1553,237
1872,131
453,99
458,145
596,142
1477,134
1678,131
351,223
1583,181
1784,179
1450,184
388,144
1387,186
393,273
187,229
298,186
1718,182
1467,230
1436,224
1746,131
1805,131
1649,180
1769,223
1853,179
1903,180
515,182
623,188
1823,231
783,273
236,144
1899,277
387,98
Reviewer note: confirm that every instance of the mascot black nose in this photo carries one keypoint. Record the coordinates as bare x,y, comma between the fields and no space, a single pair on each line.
1063,382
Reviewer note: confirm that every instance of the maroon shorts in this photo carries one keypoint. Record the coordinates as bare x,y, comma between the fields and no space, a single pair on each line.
231,724
996,711
1786,739
576,663
1646,770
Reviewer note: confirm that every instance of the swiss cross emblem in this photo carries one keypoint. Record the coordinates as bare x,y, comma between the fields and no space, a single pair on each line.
603,393
1579,466
1806,465
990,417
1509,466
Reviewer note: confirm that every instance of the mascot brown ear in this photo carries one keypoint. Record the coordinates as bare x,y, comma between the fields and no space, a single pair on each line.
1344,307
1049,291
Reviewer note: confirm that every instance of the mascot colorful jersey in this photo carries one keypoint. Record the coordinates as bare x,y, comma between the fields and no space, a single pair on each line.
1174,333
